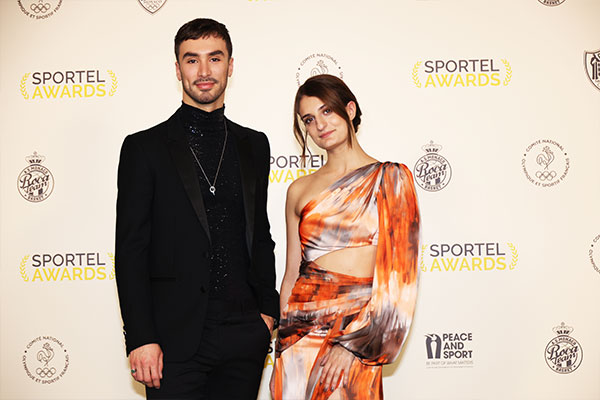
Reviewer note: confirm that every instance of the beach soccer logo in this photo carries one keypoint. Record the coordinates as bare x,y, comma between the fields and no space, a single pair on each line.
318,64
591,60
432,172
152,6
545,163
35,183
45,360
563,354
39,9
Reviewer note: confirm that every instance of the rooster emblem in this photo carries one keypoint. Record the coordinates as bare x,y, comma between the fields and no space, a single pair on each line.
321,68
545,158
45,354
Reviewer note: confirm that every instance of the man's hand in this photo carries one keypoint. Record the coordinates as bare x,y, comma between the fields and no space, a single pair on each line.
147,362
336,364
269,321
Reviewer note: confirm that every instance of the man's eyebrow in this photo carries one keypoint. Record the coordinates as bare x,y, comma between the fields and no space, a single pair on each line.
212,53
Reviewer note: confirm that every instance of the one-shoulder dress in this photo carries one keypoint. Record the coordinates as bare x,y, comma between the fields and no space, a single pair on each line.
370,317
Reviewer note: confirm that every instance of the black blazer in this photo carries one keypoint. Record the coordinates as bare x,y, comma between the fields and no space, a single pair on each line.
163,240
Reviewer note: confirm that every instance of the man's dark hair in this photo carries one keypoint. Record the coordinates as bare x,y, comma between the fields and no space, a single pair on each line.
202,28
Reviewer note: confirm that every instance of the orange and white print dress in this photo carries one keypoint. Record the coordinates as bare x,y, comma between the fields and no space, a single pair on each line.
373,205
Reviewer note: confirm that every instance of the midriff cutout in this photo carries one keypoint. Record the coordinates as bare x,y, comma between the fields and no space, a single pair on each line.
354,261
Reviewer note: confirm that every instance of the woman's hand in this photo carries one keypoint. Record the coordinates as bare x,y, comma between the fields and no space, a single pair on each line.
336,363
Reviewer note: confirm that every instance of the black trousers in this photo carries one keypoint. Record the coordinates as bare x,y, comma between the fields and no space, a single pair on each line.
229,361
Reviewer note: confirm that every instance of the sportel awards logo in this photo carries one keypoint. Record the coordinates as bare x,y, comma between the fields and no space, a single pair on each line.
591,254
432,172
486,72
551,3
591,61
318,64
545,163
449,350
70,84
461,257
45,360
39,9
152,6
269,361
288,168
563,354
61,267
35,183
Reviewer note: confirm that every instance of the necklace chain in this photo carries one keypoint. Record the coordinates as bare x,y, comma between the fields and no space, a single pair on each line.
212,188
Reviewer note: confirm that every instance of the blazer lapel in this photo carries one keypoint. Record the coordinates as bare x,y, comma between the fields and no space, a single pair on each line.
182,159
248,175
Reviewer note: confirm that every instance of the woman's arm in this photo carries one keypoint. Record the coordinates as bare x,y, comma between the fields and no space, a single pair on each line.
293,250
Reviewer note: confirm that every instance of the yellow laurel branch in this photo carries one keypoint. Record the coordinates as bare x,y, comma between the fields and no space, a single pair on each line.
508,72
24,87
112,272
421,262
515,256
23,268
115,83
415,74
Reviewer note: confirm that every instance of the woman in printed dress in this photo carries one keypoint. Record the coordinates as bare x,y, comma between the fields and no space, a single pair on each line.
349,290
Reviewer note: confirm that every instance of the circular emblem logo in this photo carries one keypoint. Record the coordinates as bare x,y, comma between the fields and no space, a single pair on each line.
563,353
35,182
591,254
45,359
39,9
545,163
432,172
551,3
318,64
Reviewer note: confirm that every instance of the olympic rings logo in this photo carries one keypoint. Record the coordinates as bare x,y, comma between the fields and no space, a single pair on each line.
546,175
40,7
46,372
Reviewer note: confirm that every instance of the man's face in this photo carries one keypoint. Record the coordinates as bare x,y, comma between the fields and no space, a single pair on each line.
203,69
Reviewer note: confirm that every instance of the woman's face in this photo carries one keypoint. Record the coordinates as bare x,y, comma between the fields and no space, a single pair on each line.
326,128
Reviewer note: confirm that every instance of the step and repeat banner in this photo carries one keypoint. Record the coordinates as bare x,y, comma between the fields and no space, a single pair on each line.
494,106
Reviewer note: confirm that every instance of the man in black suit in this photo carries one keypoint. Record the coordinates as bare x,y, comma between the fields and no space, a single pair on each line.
194,257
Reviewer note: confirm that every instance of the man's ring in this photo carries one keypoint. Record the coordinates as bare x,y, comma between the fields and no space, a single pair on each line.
133,371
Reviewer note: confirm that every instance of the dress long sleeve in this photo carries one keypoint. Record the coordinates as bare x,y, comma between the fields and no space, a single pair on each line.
376,336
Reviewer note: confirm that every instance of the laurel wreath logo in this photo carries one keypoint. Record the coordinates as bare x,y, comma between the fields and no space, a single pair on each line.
415,74
112,272
515,256
508,72
115,83
23,87
421,262
23,269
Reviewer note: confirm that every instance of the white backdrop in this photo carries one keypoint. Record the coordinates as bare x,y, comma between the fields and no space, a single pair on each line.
511,227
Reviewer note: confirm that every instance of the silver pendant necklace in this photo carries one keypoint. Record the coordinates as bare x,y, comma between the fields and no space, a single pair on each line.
212,188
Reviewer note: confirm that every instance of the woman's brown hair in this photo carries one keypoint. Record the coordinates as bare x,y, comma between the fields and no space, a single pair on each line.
336,95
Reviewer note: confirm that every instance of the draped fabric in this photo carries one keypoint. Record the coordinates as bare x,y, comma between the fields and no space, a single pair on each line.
375,204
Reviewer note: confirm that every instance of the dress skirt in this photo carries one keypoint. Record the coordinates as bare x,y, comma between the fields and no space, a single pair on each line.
321,305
